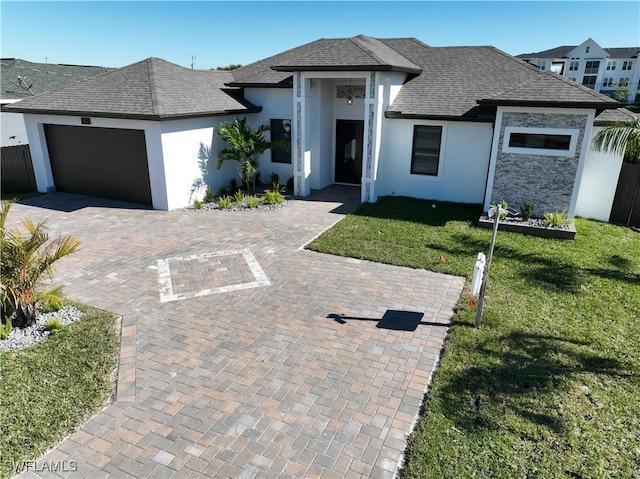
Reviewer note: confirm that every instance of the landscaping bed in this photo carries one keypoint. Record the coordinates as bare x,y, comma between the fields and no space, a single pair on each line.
50,389
533,227
548,386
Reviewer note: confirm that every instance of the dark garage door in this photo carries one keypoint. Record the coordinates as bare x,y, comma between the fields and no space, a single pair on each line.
102,162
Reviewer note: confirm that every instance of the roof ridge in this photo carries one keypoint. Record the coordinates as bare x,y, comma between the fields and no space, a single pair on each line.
366,50
155,103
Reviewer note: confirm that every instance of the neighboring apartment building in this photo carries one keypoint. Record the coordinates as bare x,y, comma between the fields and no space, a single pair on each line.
602,69
21,79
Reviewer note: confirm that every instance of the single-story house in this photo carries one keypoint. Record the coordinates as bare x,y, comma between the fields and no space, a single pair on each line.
21,79
393,115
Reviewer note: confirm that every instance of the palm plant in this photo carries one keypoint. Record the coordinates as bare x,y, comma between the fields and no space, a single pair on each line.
26,263
246,145
620,138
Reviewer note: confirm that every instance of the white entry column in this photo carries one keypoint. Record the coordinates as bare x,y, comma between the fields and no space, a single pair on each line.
302,157
372,130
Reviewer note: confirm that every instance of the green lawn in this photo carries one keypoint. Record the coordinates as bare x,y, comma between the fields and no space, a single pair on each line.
549,386
48,390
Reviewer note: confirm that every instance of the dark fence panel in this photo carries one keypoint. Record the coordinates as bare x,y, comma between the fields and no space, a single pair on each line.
626,203
17,170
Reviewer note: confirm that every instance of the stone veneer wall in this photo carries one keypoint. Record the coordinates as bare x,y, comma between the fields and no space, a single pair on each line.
544,180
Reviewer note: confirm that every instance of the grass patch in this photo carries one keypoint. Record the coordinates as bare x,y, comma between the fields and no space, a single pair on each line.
48,390
549,385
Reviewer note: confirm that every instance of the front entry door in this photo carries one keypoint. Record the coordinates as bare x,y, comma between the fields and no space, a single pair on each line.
349,134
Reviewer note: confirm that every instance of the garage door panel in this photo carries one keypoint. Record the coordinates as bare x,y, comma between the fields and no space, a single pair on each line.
103,162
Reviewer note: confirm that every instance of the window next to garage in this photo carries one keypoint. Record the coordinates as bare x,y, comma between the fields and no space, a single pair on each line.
281,130
425,154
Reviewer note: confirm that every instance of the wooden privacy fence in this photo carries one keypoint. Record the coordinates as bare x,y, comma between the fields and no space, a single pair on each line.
626,203
17,170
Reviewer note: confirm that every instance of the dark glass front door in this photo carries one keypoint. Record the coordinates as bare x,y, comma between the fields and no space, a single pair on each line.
349,134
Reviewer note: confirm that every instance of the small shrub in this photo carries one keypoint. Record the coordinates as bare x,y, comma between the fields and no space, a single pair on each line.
197,204
233,186
54,324
527,210
253,201
27,265
222,191
224,202
5,328
50,301
272,197
274,178
290,184
238,197
504,205
555,219
209,195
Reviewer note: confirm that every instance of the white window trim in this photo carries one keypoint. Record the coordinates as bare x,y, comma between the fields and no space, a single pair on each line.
441,159
573,132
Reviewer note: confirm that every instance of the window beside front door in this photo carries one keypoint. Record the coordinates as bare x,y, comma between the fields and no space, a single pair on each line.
281,130
425,154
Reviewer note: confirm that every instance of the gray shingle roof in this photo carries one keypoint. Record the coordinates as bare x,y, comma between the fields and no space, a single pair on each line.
454,79
151,89
39,77
562,52
557,52
260,73
626,52
464,83
357,53
544,88
619,115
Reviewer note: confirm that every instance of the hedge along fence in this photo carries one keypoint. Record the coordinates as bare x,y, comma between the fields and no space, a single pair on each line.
17,170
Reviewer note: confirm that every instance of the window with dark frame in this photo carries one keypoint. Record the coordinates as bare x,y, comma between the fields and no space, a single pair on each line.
281,130
425,153
540,141
592,66
589,81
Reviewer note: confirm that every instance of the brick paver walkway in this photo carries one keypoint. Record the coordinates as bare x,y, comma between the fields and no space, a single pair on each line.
242,354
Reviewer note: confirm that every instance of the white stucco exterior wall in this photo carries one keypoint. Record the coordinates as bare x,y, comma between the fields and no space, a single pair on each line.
598,185
180,141
276,103
464,160
12,125
40,155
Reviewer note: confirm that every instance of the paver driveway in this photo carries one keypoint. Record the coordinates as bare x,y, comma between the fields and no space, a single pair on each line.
244,355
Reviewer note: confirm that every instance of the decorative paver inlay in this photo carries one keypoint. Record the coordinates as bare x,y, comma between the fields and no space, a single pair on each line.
210,273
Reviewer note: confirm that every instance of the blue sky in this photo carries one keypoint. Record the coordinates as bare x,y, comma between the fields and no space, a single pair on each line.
218,33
